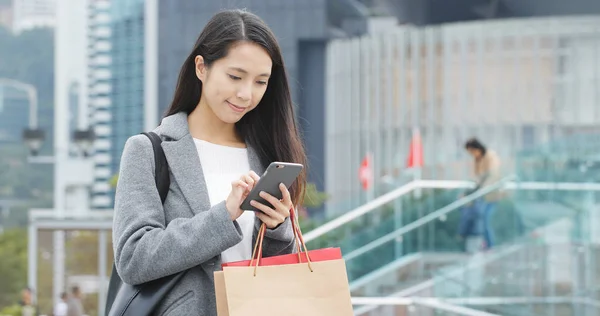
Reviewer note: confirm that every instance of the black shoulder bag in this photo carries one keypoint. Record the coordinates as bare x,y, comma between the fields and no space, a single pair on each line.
128,300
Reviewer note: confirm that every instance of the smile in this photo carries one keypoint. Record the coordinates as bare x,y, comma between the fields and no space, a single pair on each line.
236,108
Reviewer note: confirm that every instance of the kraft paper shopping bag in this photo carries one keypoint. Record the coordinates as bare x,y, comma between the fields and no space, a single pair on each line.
288,290
311,283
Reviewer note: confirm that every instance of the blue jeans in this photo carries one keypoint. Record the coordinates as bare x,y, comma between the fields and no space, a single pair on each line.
487,209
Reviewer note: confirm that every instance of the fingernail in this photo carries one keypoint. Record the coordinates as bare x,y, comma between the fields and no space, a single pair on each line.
252,202
262,193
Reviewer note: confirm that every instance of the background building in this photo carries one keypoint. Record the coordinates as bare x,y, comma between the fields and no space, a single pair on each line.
147,58
6,15
127,75
366,76
13,119
100,88
29,14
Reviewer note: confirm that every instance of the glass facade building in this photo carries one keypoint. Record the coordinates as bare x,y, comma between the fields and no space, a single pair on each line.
99,98
152,38
127,74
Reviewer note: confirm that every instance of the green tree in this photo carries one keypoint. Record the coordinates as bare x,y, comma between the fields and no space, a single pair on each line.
313,197
13,266
82,256
13,310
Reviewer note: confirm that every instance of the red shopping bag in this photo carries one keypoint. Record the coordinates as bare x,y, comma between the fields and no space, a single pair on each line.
314,255
306,283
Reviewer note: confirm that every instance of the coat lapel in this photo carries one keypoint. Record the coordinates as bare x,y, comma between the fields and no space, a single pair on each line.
186,168
185,164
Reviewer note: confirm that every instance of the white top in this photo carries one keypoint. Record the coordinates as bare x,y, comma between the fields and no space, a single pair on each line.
222,165
60,309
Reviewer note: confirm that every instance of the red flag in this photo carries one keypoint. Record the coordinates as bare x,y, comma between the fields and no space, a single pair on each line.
365,172
415,152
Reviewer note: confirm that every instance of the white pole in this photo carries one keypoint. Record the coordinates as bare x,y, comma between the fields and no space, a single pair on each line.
58,282
62,81
32,259
150,64
101,271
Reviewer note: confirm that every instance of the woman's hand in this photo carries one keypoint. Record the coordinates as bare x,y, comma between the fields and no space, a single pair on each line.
239,191
272,217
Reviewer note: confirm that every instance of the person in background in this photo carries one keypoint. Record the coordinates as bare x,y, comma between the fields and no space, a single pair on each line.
26,303
470,229
61,308
487,171
75,305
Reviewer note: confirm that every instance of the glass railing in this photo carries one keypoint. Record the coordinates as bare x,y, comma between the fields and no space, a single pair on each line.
542,256
344,203
521,216
384,306
571,159
568,308
414,310
527,279
434,231
423,221
384,220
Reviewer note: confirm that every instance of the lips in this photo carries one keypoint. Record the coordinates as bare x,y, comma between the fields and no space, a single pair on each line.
236,108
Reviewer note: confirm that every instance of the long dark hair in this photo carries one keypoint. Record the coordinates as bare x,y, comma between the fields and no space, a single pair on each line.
271,127
474,143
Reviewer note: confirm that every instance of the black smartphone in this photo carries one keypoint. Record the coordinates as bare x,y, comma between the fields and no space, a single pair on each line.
276,173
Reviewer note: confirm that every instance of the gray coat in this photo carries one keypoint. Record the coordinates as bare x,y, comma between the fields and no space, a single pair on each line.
152,241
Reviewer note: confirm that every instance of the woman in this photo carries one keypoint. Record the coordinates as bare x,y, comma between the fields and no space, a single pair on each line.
487,171
231,116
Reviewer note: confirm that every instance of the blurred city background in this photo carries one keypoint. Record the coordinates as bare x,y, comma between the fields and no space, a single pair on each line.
387,94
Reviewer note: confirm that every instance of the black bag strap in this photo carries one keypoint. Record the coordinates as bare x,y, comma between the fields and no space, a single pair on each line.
161,166
163,181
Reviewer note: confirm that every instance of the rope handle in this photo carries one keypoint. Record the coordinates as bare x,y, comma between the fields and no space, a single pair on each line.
298,239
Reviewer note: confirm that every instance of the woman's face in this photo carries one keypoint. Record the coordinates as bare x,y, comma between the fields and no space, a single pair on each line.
475,153
233,85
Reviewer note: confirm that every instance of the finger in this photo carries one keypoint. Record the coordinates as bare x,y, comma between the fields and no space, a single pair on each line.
246,178
275,202
266,219
254,176
238,188
239,184
287,198
281,208
271,213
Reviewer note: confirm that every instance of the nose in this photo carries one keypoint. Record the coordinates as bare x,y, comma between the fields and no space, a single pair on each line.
245,92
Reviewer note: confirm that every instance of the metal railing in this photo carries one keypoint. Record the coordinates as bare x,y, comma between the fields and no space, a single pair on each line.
428,218
440,184
382,200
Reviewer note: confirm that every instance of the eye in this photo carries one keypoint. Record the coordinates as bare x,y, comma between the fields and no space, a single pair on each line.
262,83
234,77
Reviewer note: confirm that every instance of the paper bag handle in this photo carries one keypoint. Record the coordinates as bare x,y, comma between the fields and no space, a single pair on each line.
298,239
